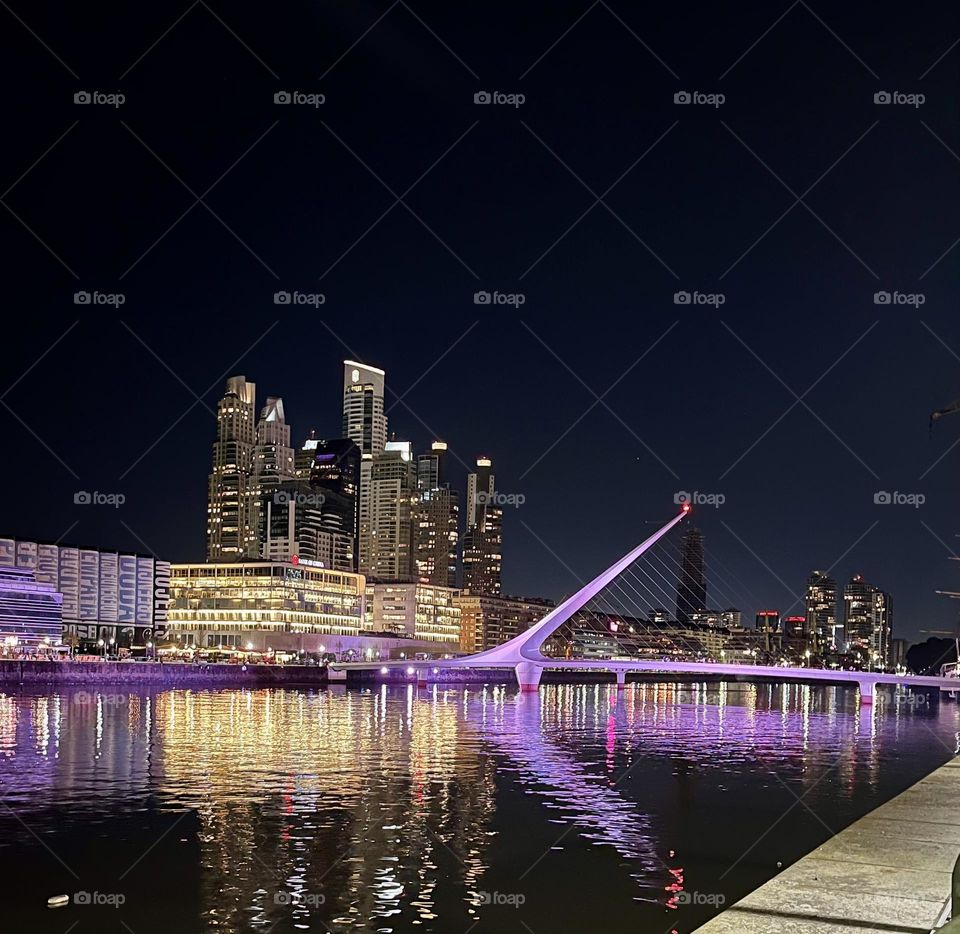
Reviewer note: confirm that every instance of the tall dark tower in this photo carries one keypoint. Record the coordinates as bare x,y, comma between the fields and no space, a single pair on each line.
692,585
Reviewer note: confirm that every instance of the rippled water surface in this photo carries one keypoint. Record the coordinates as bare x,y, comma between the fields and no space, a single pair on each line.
468,809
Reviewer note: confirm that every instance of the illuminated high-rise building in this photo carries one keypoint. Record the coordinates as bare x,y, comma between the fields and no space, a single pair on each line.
392,497
364,423
821,611
692,583
867,622
231,497
273,461
483,540
436,522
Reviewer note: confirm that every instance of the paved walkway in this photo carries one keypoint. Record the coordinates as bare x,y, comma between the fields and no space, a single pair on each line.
889,873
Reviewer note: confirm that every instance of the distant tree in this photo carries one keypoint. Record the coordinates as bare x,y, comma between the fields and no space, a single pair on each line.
925,658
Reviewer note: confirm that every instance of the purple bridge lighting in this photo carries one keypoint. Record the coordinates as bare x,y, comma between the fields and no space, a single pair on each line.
523,655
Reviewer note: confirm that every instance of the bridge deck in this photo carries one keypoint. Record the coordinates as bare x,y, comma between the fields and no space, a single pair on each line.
888,872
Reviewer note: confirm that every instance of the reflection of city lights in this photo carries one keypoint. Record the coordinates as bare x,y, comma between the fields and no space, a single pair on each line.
384,670
410,670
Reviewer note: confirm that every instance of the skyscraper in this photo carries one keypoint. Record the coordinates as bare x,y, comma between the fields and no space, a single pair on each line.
692,583
436,521
335,473
391,503
364,423
868,622
231,497
273,461
821,608
483,541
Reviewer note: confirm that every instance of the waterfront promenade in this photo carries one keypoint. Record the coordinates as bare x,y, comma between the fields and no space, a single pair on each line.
156,674
888,872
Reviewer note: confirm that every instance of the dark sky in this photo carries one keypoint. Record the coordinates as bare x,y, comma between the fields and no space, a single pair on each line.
694,198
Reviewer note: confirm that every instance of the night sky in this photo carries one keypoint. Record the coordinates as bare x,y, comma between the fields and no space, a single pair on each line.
694,198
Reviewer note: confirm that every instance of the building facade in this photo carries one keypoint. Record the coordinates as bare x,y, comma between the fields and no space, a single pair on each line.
483,539
692,582
391,506
820,603
867,622
487,621
106,594
231,497
437,520
224,604
365,424
31,612
420,611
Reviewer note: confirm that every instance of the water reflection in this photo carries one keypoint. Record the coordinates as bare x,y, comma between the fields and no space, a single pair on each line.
398,809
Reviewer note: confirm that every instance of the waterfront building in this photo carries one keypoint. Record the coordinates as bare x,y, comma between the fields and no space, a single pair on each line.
31,612
487,621
231,495
821,612
287,604
436,520
364,423
107,595
692,582
421,611
867,622
483,541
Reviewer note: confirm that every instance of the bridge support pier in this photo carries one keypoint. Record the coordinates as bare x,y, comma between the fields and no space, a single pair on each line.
621,679
867,689
528,676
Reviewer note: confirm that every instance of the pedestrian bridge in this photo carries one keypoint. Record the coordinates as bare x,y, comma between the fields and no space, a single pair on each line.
523,653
